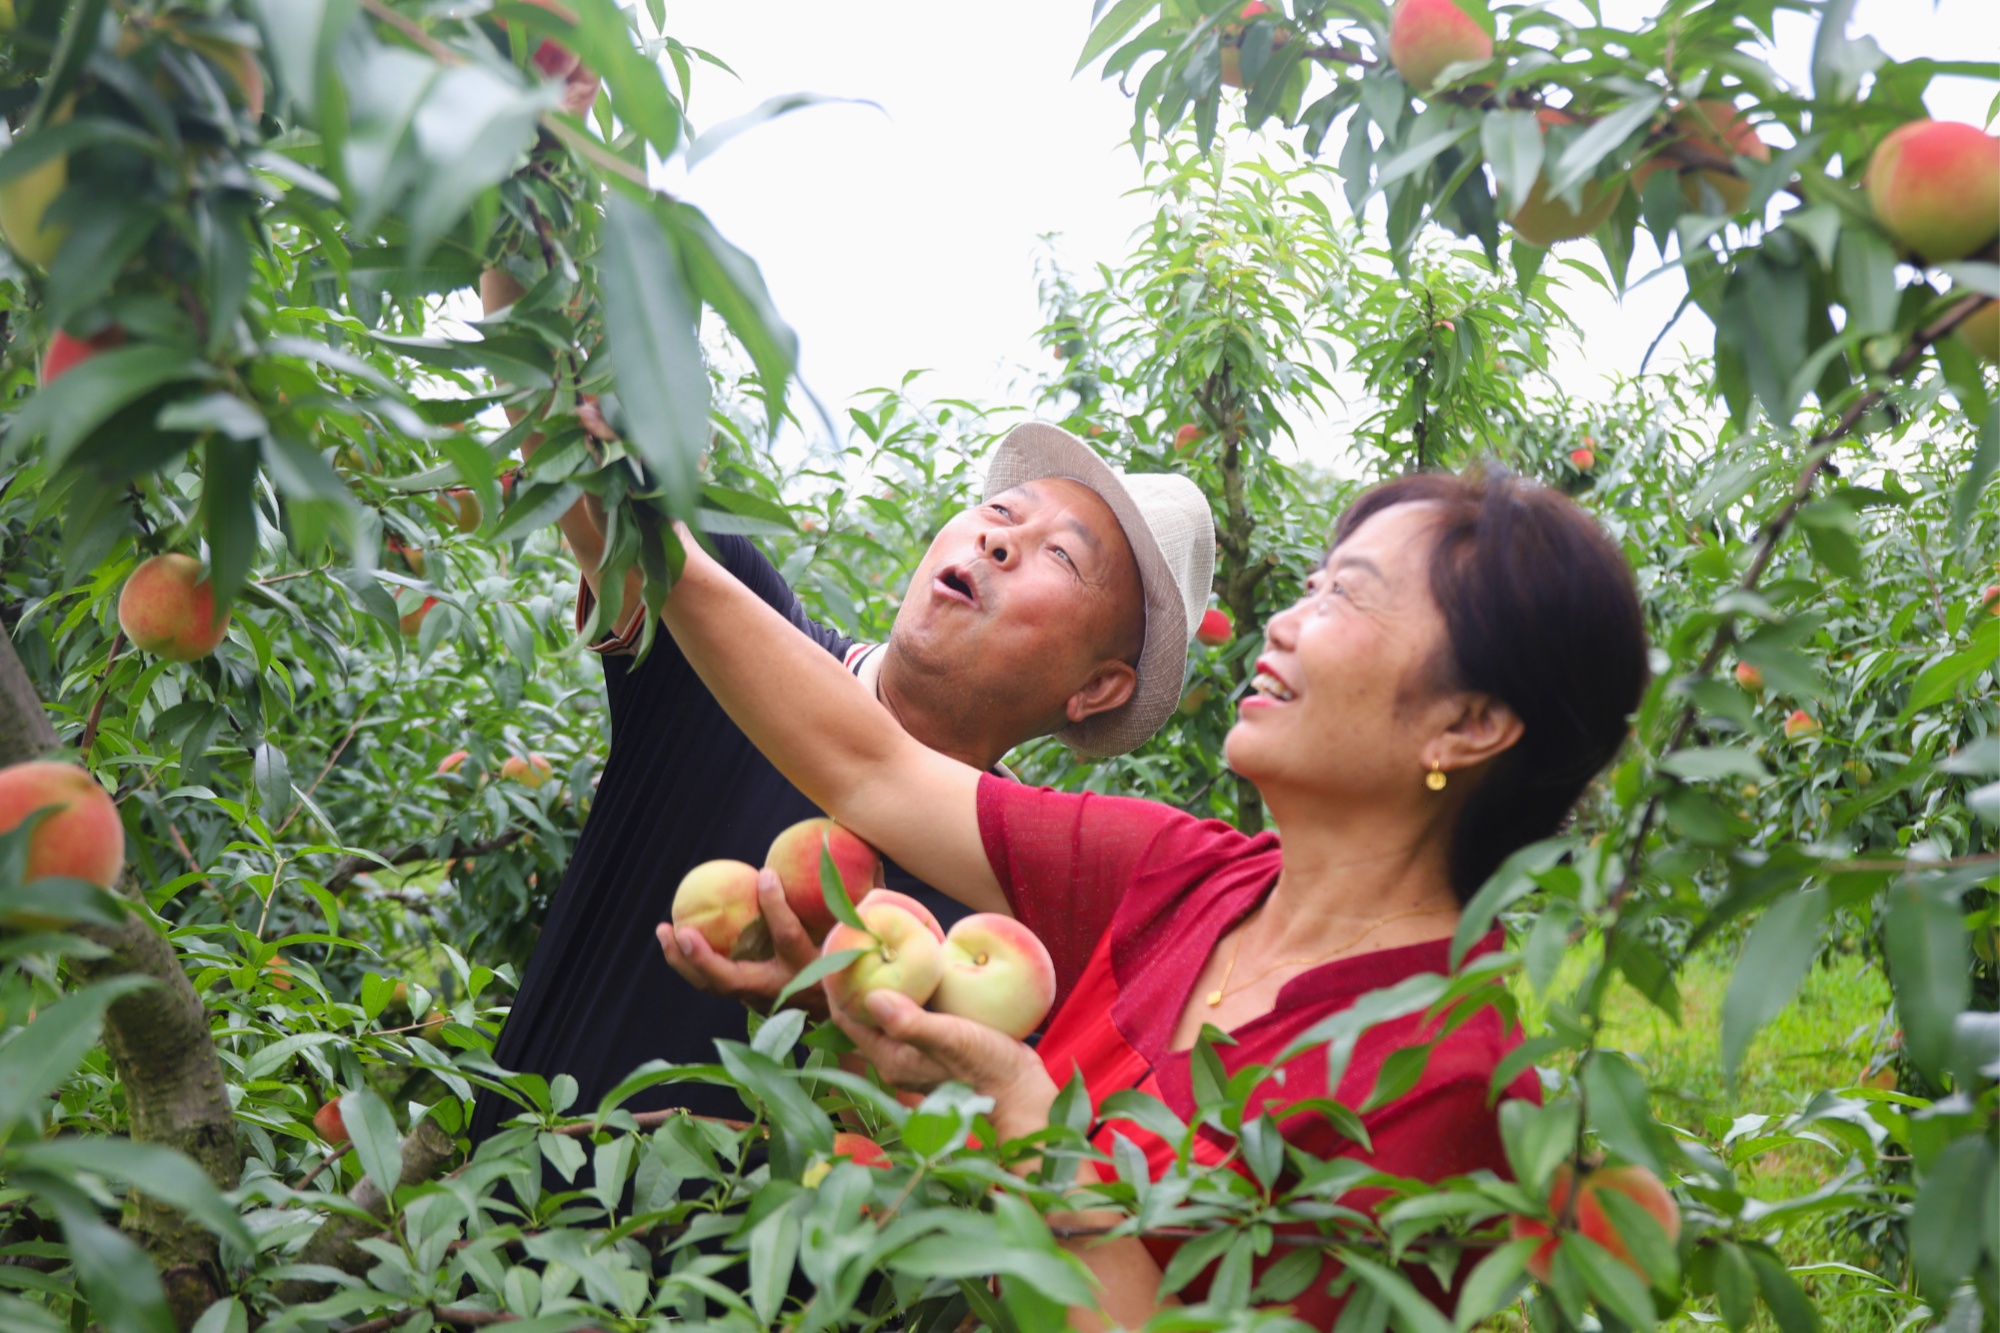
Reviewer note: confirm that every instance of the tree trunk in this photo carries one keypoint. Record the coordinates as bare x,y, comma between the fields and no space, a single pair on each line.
338,1241
159,1043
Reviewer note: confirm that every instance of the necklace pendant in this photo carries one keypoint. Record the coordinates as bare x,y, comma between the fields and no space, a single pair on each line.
1214,998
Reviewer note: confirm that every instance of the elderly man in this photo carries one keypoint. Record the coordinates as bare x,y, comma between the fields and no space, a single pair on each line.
1062,605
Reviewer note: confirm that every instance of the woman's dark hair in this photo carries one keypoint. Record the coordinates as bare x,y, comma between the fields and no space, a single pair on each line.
1542,614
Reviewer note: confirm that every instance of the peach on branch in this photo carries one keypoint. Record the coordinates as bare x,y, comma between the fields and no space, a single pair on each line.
718,901
1749,677
465,508
167,608
1545,220
1800,724
66,352
1935,185
1583,458
1187,437
996,972
1589,1218
795,855
530,771
856,1148
331,1125
1981,332
25,200
898,953
80,838
1718,126
450,763
1215,629
1426,37
1232,41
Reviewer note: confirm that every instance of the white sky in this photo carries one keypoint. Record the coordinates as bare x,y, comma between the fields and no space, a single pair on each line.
904,237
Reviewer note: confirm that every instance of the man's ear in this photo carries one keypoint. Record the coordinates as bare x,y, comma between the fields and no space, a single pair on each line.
1484,729
1109,687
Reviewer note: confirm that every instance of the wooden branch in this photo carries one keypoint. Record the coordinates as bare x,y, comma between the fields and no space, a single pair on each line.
653,1120
348,867
338,1241
89,736
1767,547
25,730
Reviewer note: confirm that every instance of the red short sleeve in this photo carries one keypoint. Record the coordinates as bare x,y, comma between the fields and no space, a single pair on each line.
1065,859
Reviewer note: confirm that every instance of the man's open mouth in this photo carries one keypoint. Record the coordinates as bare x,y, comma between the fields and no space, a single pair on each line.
952,582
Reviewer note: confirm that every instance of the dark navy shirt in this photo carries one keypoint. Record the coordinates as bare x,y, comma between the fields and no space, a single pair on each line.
682,785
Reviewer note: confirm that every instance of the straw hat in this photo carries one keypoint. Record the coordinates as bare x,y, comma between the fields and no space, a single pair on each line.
1172,533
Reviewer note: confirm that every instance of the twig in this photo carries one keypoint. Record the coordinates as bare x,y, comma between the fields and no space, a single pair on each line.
287,578
331,760
1767,547
324,1163
89,736
350,866
653,1120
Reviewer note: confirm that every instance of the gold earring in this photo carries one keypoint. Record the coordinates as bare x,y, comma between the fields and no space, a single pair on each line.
1435,779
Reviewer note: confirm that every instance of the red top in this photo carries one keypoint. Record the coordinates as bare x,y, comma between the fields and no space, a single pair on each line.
1131,898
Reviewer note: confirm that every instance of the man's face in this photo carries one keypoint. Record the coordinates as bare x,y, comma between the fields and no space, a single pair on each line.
1020,600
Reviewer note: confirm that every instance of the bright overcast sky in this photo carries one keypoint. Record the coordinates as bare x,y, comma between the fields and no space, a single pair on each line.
905,237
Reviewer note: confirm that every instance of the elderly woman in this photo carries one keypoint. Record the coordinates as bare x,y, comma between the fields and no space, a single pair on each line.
1459,668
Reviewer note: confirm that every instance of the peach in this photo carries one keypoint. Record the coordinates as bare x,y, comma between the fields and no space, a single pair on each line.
856,1148
81,836
1634,1182
412,621
1186,437
1215,629
718,901
795,855
1989,597
168,609
65,353
1800,724
1545,221
1428,36
908,904
1232,42
1749,677
530,772
1583,458
1719,125
466,510
1934,186
330,1124
25,199
450,763
1981,332
899,954
997,973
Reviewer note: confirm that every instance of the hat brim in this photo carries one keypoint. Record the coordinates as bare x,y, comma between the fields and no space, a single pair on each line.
1035,451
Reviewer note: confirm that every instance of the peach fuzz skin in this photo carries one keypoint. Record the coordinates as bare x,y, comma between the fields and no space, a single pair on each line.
795,855
998,973
1428,36
900,955
718,901
1933,184
168,609
1635,1182
81,839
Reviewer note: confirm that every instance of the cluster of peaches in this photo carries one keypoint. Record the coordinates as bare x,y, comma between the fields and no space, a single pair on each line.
988,968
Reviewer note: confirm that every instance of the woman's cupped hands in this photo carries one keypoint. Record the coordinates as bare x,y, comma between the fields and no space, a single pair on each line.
916,1050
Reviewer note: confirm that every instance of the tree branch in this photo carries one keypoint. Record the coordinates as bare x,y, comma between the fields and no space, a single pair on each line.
338,1241
348,867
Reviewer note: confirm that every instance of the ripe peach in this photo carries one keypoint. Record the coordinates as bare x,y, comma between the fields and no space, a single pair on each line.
1634,1182
1232,42
66,353
795,855
1545,221
530,772
280,969
1981,332
1799,724
168,609
81,837
998,973
1716,125
450,763
908,904
718,900
331,1126
1933,184
1186,437
1427,36
1749,677
856,1148
467,511
1583,458
412,621
900,954
1215,629
1989,597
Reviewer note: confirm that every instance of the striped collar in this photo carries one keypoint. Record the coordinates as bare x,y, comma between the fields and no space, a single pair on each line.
865,661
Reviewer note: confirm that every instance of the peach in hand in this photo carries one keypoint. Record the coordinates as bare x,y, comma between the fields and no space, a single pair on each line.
899,953
718,901
998,973
795,855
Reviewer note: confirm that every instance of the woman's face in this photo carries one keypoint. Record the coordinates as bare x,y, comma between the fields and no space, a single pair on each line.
1346,700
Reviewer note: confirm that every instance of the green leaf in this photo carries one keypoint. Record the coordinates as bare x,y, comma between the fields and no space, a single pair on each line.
220,412
66,412
817,971
1951,1217
1774,963
1866,270
1595,144
1537,1138
1417,1314
225,1316
1940,680
1617,1098
124,1290
372,1129
1513,881
160,1172
1790,1306
1494,1284
649,328
733,286
1124,16
1614,1286
833,890
638,88
1985,461
42,1055
1512,142
1721,761
1929,970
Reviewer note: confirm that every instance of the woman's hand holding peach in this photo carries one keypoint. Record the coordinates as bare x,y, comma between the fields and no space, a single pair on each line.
916,1049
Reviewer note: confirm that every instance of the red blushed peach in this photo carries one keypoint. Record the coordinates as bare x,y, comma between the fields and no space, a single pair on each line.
795,855
718,900
1215,629
856,1148
998,973
65,353
531,772
908,904
899,953
168,609
80,838
1933,184
331,1125
1546,221
1635,1182
1981,332
1428,36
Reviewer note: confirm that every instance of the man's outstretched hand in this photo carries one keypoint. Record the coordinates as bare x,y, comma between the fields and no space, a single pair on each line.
754,983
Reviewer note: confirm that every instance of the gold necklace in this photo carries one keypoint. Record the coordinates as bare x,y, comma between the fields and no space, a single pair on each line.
1222,991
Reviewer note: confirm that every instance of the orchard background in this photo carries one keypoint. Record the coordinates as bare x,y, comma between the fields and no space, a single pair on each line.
242,242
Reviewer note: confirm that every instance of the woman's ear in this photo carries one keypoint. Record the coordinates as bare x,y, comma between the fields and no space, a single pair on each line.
1484,729
1108,687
